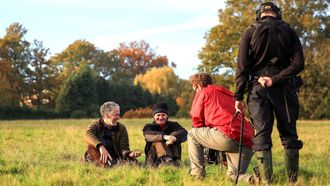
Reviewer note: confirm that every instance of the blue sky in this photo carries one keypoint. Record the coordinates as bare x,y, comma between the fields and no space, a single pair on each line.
175,28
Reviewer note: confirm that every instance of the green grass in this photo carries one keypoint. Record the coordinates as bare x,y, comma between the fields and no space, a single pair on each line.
49,152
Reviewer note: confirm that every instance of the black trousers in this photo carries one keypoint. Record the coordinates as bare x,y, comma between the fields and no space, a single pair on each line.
264,103
159,149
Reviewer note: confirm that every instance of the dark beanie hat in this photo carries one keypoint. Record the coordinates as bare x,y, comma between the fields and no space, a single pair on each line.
160,107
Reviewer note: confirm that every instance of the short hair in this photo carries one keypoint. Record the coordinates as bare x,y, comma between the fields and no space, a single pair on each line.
108,107
202,78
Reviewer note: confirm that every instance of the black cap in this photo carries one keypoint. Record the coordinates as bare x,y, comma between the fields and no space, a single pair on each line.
268,6
160,107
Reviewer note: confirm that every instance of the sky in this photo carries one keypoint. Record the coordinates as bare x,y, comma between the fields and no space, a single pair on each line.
174,28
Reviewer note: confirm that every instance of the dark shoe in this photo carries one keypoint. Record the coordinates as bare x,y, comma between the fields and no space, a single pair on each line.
265,166
166,161
292,164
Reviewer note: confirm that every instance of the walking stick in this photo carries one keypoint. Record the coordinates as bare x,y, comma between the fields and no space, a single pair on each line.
240,147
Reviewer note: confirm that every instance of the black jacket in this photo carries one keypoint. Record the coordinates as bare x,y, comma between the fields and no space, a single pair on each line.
251,59
153,133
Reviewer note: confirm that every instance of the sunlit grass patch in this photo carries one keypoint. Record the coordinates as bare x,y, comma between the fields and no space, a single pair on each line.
49,152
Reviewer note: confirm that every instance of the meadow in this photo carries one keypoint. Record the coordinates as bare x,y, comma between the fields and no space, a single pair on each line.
49,152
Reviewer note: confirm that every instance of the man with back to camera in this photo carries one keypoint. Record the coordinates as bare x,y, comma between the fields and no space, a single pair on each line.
270,57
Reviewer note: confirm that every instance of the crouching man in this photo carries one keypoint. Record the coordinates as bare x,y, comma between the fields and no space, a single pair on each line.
163,138
214,127
107,139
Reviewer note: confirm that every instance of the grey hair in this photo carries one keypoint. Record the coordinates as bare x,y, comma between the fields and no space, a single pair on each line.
108,107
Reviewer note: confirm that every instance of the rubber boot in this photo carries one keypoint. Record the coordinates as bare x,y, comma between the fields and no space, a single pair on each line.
264,159
292,164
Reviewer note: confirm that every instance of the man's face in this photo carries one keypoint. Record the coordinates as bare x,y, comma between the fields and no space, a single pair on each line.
160,118
114,116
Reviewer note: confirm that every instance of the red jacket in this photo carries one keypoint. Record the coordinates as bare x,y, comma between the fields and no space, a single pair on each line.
214,106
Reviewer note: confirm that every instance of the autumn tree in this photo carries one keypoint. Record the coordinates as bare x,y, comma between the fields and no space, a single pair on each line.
42,79
83,52
158,81
163,84
310,19
14,62
137,57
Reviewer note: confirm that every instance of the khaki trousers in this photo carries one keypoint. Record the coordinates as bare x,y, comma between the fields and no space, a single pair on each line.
198,138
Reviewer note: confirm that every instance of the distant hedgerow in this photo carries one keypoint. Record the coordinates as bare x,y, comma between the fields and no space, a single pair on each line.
138,113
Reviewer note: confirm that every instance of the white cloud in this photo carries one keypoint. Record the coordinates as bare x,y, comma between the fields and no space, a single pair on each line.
168,40
199,23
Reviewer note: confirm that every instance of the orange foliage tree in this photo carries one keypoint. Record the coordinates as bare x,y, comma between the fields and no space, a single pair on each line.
137,57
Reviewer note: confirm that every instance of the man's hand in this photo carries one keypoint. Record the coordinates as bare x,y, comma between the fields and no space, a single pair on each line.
134,154
104,155
265,81
240,106
169,139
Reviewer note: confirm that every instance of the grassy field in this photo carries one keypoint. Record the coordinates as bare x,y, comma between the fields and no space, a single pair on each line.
49,152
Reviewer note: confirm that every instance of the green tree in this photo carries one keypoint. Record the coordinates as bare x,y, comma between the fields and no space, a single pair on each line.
83,52
14,62
42,79
184,98
78,96
310,19
127,95
123,94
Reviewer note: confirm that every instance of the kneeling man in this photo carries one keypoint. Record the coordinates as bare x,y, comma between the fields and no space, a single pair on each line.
214,126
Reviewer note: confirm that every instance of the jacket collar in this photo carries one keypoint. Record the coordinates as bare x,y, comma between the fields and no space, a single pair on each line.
158,126
108,126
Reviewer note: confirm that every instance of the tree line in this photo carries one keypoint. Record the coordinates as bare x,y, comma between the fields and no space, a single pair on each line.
74,82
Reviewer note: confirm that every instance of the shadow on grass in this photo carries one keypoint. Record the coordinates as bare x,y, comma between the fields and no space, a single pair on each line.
306,174
14,170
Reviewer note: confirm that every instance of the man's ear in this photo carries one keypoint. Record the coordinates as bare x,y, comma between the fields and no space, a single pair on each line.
199,87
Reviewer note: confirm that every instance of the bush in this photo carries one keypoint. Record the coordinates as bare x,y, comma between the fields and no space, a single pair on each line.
13,112
138,113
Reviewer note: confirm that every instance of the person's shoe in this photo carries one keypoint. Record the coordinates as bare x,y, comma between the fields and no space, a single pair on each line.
265,166
198,177
166,161
292,164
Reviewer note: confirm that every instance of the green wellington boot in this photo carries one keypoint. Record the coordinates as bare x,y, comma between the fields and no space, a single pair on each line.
265,165
292,163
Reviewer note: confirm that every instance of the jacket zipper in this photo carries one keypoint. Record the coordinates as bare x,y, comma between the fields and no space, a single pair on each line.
287,108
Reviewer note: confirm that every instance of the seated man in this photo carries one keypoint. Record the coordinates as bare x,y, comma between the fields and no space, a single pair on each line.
163,138
214,127
107,139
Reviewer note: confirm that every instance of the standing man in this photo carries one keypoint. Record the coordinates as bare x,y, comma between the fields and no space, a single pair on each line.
163,138
214,126
270,56
107,139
